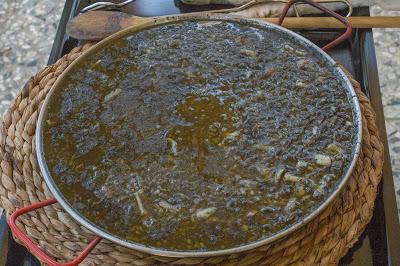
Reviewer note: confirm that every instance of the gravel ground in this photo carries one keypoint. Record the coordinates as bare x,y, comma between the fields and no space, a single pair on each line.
27,29
387,45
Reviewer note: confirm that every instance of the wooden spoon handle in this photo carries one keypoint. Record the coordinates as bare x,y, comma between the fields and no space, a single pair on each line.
332,23
97,25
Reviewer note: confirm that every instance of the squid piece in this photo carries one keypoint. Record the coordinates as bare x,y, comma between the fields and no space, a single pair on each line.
205,213
139,202
323,160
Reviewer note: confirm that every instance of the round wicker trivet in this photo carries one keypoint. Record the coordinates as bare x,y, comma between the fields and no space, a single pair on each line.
323,241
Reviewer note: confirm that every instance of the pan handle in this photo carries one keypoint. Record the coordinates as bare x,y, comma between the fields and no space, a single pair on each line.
35,249
342,19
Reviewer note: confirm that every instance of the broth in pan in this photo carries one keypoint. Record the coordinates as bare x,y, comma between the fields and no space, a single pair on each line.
199,136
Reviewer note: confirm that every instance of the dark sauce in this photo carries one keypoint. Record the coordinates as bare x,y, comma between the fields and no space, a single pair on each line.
199,136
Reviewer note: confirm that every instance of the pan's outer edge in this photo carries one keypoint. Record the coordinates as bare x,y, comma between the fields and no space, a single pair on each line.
195,17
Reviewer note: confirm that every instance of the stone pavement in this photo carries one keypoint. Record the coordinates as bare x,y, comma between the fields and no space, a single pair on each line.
27,29
387,45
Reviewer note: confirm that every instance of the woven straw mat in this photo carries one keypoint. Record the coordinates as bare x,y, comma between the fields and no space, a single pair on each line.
323,241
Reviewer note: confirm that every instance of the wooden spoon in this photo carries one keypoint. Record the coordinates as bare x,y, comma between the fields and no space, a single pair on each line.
97,25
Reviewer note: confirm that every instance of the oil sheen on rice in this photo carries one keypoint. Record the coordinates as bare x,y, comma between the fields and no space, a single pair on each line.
199,136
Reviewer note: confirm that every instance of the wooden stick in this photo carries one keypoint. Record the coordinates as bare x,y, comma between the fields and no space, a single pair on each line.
96,25
332,23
